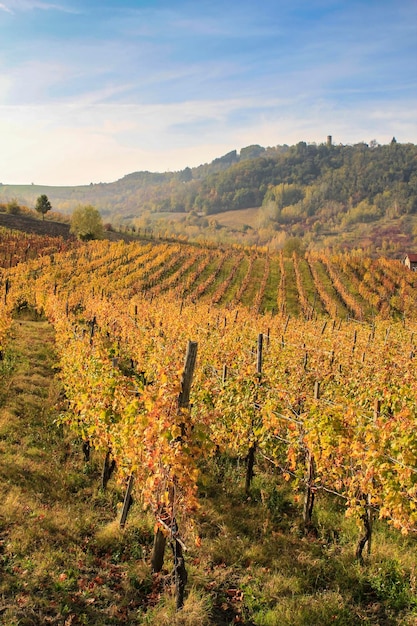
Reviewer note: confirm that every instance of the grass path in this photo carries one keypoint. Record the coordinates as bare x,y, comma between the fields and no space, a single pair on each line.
59,562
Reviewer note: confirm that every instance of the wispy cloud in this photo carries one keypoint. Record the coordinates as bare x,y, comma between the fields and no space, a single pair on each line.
16,6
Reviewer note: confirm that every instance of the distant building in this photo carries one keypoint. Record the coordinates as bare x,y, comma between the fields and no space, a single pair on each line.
329,141
410,261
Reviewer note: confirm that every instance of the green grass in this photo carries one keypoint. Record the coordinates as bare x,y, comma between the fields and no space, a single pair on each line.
54,562
249,295
342,311
64,559
269,302
230,294
291,291
223,274
285,578
311,293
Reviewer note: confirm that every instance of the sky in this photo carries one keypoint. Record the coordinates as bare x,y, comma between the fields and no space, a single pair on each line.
93,90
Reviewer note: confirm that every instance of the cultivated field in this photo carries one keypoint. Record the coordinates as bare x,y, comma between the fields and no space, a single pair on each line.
255,413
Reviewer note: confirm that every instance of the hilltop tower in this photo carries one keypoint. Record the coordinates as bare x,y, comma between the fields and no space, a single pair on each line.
329,141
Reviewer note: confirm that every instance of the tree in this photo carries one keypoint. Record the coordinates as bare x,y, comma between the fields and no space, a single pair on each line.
251,152
43,205
293,244
86,223
185,175
12,207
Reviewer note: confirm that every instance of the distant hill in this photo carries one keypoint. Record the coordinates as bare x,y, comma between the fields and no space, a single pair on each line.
136,192
315,192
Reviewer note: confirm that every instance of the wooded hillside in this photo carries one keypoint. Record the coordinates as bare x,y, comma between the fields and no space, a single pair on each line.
326,194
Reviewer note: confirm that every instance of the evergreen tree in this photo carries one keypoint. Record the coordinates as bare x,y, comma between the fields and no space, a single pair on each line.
43,205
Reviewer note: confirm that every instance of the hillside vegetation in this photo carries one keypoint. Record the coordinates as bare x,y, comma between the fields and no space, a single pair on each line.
325,194
278,466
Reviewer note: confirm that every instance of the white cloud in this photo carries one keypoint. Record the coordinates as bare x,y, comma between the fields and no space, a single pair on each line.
14,6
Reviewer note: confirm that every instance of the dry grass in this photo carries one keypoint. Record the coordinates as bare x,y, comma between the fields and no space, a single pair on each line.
237,219
196,610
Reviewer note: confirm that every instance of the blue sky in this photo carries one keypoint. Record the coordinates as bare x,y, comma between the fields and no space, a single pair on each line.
91,91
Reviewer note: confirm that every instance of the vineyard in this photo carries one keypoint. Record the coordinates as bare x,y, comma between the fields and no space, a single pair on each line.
307,286
178,362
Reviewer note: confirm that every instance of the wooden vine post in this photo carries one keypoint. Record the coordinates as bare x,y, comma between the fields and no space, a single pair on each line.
367,517
252,448
6,289
224,374
86,448
93,325
167,525
310,478
109,465
127,501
